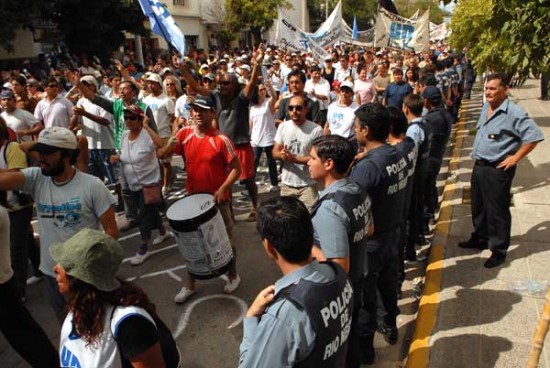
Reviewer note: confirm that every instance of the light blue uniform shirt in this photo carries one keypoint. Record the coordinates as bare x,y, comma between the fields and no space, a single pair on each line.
283,335
503,133
415,132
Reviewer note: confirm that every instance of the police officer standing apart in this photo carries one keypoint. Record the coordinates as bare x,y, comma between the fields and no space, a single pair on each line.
342,220
304,319
505,135
382,174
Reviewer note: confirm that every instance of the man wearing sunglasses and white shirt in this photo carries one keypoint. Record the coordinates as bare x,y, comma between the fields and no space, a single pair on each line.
291,147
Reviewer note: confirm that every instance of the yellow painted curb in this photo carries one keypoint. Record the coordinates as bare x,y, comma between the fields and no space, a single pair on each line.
419,351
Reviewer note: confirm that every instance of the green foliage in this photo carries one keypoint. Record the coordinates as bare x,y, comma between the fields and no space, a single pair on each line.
365,11
407,8
507,35
256,15
93,27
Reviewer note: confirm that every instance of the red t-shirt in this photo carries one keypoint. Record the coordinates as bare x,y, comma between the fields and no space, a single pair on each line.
207,158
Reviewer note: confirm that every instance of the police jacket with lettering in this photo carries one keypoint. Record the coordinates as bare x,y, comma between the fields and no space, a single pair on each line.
329,307
357,208
423,148
440,121
382,173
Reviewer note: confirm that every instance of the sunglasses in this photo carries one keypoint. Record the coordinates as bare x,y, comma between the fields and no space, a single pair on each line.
225,83
130,117
170,84
295,107
52,85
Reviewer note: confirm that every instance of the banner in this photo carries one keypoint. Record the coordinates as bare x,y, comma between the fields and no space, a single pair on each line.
439,32
331,30
398,32
163,24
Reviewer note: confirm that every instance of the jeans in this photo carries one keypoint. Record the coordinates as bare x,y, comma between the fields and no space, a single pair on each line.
271,164
21,330
20,243
100,164
148,214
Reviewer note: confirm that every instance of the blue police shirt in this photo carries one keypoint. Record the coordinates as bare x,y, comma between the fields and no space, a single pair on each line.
415,132
503,133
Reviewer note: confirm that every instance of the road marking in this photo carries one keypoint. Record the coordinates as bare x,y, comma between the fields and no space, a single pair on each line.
169,271
153,252
184,319
419,350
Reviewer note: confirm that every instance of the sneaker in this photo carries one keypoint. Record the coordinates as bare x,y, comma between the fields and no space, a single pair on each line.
139,258
390,333
165,191
422,241
183,295
34,280
232,285
161,238
274,188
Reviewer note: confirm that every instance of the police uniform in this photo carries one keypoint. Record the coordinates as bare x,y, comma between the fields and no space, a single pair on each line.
497,137
382,174
307,324
440,122
421,133
341,220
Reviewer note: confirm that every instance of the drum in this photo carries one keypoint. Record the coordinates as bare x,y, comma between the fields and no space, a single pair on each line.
201,236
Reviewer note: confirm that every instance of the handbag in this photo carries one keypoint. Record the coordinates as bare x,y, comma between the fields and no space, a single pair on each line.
152,194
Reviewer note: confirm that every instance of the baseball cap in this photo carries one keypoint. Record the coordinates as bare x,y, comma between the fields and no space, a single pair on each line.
206,102
165,70
204,66
347,84
209,76
245,67
7,93
54,138
154,77
432,93
89,80
134,109
276,61
90,256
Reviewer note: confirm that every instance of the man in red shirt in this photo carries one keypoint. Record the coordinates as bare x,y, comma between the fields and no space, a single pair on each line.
212,167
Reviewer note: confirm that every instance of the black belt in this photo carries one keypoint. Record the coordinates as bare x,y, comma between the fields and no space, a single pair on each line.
486,163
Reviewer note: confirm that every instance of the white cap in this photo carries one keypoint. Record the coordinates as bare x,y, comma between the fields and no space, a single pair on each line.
245,67
154,77
90,80
346,84
56,137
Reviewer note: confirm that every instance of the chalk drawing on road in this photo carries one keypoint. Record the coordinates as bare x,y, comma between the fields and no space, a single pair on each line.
184,319
152,252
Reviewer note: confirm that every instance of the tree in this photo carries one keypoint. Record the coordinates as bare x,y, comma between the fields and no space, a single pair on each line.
508,35
96,27
15,15
259,16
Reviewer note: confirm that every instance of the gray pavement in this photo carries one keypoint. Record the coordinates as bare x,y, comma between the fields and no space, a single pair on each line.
471,316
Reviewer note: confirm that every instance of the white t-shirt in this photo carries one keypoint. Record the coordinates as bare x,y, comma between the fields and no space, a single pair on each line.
322,88
297,139
20,119
340,119
162,107
64,210
57,112
99,136
5,260
139,160
181,110
263,129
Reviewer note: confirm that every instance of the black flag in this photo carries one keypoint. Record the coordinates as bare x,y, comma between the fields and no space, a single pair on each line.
389,6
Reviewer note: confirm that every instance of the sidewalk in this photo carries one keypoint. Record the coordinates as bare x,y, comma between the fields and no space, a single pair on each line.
470,316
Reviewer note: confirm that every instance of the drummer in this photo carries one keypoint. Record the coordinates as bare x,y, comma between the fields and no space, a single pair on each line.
212,167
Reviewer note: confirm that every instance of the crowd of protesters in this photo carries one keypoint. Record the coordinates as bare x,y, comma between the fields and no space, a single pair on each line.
359,136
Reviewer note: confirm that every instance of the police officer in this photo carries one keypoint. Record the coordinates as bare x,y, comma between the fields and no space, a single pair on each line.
440,122
341,218
505,135
304,319
421,135
382,174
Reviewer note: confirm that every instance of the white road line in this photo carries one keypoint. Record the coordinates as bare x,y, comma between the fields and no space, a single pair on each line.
169,271
184,319
153,252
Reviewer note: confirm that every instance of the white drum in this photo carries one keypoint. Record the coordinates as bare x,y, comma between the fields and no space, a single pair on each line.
201,235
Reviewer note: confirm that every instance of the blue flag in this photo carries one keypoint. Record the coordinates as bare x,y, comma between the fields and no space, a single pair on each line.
163,24
354,32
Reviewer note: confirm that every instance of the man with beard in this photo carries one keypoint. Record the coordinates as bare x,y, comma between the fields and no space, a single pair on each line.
67,200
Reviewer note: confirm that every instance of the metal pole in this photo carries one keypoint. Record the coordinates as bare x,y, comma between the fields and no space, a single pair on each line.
326,9
138,50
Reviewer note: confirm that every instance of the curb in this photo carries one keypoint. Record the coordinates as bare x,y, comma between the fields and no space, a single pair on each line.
419,350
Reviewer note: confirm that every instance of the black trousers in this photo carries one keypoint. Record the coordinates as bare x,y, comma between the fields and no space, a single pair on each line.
431,199
21,330
21,243
544,81
491,206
